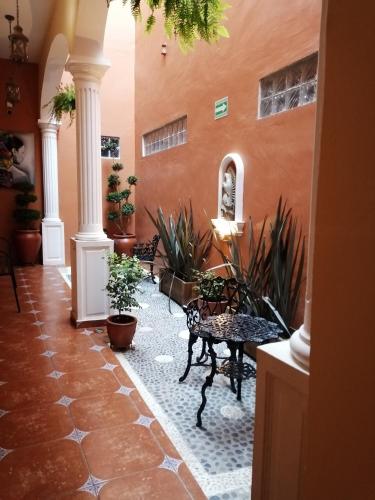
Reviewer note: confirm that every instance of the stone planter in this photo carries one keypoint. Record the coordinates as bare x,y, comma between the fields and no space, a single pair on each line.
180,291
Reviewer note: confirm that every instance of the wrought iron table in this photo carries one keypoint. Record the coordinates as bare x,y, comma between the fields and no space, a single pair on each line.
235,330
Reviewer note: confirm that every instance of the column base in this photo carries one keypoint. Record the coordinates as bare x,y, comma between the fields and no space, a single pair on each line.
300,347
90,304
280,424
53,242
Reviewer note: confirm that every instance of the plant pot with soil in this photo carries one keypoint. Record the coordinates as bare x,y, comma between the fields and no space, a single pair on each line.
122,211
125,274
210,289
185,250
27,237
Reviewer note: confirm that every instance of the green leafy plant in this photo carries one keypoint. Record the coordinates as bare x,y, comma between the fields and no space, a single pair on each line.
273,266
63,102
123,209
25,217
187,20
186,249
210,286
125,274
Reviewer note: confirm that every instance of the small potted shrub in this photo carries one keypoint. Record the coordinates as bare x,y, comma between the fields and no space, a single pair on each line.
211,292
27,237
122,209
125,274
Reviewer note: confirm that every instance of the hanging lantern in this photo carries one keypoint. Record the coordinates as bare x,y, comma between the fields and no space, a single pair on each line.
12,95
18,41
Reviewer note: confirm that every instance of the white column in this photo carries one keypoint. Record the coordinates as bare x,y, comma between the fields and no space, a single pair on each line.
87,77
90,244
52,226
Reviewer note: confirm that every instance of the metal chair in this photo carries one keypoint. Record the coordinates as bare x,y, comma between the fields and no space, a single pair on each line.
146,254
7,267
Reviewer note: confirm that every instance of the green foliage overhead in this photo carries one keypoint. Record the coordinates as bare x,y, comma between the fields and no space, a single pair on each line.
132,180
125,274
273,266
63,102
186,249
113,181
187,20
117,166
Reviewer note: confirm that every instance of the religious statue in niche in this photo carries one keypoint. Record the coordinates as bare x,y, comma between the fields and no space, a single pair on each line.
228,194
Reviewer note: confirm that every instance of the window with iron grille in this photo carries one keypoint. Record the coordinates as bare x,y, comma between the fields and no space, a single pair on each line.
289,88
169,136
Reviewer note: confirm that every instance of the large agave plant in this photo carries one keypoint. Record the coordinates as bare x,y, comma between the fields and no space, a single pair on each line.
185,248
273,266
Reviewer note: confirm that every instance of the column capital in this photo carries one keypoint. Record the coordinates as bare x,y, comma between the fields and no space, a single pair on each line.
87,68
47,125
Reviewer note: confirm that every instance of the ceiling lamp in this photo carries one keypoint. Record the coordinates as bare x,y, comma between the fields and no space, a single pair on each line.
18,41
12,95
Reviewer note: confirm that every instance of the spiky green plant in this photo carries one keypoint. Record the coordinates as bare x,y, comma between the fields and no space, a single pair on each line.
273,265
186,249
187,20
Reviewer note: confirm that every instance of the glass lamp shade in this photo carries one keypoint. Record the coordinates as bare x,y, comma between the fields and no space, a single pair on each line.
18,45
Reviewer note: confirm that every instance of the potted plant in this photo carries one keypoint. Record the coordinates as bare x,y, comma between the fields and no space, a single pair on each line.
63,102
27,237
125,274
210,288
186,250
122,209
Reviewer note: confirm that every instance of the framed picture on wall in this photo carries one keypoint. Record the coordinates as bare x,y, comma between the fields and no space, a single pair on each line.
17,158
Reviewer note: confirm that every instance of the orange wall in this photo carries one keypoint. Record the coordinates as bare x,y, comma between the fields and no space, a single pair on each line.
342,378
24,119
117,111
277,151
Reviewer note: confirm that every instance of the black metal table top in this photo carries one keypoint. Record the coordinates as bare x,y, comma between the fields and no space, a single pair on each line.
239,328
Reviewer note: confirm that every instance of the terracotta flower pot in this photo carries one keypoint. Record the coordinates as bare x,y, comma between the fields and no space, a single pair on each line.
212,308
124,243
27,243
121,330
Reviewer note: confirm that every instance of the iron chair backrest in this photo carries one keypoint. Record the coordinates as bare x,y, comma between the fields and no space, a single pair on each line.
236,298
6,265
147,251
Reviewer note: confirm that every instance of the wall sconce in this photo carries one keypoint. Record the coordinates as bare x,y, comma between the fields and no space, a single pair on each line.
163,51
12,95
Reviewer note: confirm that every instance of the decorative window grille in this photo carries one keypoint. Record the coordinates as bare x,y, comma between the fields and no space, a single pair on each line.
169,136
289,88
110,147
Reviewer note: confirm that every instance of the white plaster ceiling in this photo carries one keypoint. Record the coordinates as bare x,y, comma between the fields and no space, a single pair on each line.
34,18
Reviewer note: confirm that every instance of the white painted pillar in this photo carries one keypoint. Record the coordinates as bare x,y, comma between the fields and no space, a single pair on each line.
52,226
90,244
87,77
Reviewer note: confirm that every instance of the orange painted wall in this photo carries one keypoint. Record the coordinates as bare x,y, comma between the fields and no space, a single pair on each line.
342,378
117,111
24,119
265,36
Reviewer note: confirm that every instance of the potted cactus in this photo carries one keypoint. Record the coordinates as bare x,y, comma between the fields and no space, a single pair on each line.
125,274
122,210
27,237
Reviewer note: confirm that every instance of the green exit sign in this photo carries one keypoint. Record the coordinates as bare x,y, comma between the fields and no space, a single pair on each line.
221,108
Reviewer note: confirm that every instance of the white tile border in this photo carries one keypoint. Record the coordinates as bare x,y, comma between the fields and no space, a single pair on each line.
211,485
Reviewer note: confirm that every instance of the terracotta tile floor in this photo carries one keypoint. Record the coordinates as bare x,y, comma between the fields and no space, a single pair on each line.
72,425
